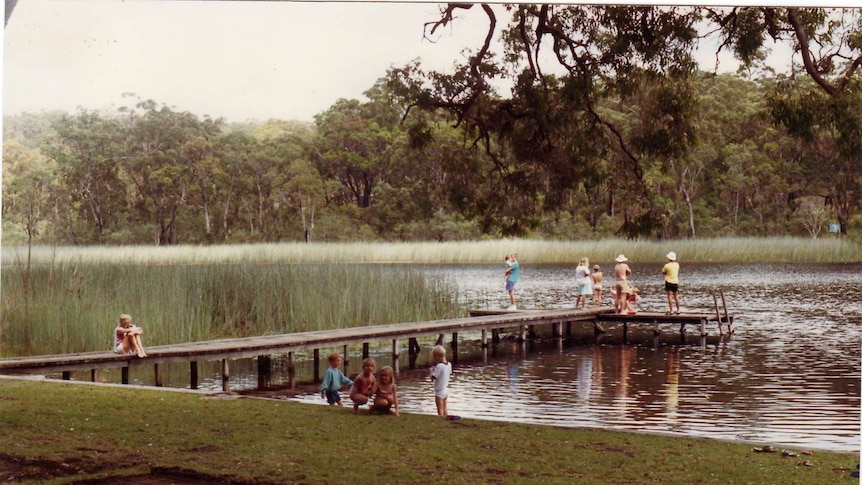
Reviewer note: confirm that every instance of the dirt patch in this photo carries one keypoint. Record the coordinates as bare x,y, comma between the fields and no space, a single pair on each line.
283,391
15,469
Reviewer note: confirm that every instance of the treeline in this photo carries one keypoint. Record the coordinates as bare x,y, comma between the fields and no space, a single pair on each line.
374,170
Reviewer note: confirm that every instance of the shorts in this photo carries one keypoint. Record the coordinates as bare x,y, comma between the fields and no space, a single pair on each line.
444,394
622,287
118,349
672,287
510,285
333,397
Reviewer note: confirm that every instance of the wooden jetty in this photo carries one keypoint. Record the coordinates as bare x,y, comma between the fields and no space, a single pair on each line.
263,347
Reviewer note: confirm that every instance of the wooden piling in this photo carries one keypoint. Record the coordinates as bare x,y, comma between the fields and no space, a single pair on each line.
193,374
158,375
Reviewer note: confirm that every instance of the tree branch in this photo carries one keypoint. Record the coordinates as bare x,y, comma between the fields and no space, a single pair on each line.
805,49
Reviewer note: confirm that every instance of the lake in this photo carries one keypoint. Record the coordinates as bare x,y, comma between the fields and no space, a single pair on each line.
790,374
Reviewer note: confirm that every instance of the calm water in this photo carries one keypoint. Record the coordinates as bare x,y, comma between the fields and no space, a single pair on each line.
790,374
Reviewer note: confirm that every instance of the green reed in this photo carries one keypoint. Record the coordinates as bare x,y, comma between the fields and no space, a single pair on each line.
773,249
73,307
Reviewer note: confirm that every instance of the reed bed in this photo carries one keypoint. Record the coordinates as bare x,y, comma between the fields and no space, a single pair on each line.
73,307
729,250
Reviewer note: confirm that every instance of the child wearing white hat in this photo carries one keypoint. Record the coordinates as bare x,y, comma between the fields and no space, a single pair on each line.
671,282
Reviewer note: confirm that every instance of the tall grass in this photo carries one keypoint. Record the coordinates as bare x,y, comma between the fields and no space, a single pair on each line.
189,293
73,307
777,249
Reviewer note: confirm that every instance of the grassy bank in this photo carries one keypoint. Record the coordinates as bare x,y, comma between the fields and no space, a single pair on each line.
794,250
57,433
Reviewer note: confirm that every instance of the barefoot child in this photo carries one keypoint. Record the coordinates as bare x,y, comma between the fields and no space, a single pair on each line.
671,283
597,285
584,282
512,273
386,397
127,337
621,285
634,298
333,380
440,376
364,384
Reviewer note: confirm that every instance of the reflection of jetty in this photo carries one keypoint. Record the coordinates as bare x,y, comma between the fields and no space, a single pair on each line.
265,346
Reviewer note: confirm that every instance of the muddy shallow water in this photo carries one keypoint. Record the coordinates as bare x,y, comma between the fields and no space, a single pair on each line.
789,375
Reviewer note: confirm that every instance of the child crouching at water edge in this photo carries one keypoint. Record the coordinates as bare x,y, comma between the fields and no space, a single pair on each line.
634,299
440,373
127,337
364,385
333,380
386,396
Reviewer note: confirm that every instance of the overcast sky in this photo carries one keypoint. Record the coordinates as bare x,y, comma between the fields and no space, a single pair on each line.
235,60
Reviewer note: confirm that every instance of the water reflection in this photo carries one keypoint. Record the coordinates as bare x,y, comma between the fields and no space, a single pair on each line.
790,374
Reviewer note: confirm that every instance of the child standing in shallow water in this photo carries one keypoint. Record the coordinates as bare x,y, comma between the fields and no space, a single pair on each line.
386,396
440,376
364,385
333,380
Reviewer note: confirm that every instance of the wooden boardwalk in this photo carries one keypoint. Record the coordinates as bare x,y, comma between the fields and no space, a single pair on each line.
264,346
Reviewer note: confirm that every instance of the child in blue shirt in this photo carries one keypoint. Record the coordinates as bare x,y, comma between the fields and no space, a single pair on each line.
333,380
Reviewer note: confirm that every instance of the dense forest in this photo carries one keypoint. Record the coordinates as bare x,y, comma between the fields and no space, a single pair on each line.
625,136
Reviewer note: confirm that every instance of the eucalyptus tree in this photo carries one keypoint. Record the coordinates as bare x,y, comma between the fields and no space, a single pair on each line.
232,152
563,61
155,162
307,191
204,172
820,101
88,150
28,180
353,146
551,134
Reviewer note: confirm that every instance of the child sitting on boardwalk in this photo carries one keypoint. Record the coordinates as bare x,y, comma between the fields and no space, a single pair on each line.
333,380
386,396
364,385
127,337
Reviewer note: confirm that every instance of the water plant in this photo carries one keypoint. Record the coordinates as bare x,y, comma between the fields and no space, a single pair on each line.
732,249
72,307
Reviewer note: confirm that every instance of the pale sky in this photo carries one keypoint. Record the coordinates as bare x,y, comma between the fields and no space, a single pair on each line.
234,60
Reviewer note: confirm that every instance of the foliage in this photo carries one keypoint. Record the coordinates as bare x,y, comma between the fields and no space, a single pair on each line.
609,130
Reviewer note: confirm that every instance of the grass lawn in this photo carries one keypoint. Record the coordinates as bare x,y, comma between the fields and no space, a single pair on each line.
56,432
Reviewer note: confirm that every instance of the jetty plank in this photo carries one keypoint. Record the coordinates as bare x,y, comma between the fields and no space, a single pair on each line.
236,348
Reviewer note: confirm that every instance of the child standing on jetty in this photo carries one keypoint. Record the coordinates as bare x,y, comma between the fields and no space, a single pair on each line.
512,274
127,337
621,284
597,285
671,282
440,377
386,396
364,385
333,380
584,282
